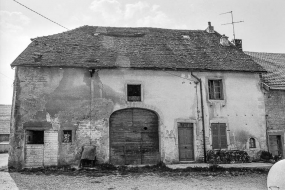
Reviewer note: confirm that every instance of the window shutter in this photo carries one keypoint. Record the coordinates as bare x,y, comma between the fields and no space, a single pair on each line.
211,90
223,135
215,135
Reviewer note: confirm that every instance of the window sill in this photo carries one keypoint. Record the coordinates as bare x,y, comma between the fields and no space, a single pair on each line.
213,102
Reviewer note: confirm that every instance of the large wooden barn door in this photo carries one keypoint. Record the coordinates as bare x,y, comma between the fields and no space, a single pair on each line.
134,137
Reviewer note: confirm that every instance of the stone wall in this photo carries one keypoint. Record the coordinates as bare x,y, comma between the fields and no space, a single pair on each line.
275,110
82,100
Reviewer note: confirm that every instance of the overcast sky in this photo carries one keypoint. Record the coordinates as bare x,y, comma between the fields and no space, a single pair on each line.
263,29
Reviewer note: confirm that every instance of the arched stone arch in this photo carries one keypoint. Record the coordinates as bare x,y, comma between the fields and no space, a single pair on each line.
142,106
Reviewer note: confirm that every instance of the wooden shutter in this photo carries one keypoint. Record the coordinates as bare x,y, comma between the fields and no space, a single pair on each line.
211,89
223,135
215,136
219,136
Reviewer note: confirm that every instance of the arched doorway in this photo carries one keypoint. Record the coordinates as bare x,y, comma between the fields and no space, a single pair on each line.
134,137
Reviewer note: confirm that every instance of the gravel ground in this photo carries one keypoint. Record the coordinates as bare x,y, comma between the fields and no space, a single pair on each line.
139,181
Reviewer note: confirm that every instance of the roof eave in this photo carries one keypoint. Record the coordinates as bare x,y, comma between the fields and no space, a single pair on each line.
142,68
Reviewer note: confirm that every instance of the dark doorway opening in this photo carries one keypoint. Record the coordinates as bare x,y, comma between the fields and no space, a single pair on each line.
275,145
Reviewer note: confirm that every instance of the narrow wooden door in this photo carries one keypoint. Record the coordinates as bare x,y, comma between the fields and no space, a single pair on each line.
185,141
275,145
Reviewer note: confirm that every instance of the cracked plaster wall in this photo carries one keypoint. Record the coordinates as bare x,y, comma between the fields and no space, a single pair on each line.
58,99
243,110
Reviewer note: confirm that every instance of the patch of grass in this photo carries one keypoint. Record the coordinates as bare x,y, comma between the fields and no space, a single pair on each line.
106,166
160,169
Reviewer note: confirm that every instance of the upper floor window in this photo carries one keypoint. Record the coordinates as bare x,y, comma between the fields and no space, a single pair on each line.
216,89
134,92
252,143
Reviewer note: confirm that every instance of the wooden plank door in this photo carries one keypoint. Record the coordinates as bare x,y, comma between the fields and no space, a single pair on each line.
185,141
134,137
146,122
275,145
121,134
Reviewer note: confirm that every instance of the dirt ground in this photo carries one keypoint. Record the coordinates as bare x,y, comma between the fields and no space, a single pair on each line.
142,181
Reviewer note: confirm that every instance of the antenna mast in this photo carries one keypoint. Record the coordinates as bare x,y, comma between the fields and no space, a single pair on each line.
232,23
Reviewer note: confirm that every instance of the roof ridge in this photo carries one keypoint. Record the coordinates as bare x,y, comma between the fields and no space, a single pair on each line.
111,27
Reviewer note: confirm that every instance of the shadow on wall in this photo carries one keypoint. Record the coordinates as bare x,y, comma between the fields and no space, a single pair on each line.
241,139
246,141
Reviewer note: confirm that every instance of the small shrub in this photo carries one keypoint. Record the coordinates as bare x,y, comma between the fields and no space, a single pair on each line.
265,155
227,156
215,167
107,166
277,158
161,165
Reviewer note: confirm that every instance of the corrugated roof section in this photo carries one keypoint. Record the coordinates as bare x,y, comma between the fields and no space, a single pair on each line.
142,48
274,64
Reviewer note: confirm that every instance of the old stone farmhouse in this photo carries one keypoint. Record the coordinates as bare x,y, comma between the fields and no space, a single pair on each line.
139,95
274,90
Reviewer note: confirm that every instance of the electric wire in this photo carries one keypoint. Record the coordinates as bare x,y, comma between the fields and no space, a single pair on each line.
68,29
40,14
6,76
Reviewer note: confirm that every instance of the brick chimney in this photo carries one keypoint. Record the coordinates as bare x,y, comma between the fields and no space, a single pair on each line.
210,28
224,40
238,43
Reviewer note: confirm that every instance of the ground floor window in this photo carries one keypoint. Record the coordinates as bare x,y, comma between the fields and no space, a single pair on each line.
252,143
4,137
67,136
34,137
219,136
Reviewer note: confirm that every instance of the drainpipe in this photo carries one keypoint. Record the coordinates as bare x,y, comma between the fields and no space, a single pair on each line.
203,119
91,71
266,127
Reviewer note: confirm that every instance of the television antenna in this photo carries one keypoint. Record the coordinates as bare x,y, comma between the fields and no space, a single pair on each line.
232,23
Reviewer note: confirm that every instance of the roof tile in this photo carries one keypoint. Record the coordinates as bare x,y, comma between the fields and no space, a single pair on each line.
274,64
147,48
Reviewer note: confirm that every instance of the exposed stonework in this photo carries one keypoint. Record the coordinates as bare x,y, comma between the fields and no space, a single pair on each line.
275,111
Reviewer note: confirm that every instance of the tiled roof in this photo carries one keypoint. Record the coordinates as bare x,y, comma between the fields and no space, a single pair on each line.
274,64
142,48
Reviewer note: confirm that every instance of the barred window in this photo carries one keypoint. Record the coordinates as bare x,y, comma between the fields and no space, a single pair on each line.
67,136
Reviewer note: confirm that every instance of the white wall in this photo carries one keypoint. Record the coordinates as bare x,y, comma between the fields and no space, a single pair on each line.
175,98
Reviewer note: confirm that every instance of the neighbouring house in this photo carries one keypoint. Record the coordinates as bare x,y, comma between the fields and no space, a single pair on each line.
5,114
139,95
274,90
